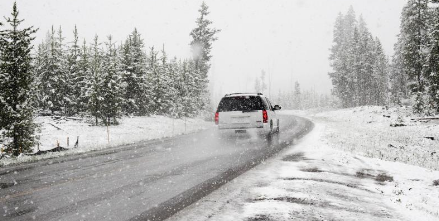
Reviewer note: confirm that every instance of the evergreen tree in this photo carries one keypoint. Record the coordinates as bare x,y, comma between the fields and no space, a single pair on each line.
414,42
263,83
187,89
167,86
52,74
82,79
65,79
380,76
360,69
94,83
38,69
136,87
15,83
432,74
367,57
398,75
202,38
109,85
155,80
297,97
342,59
174,89
76,75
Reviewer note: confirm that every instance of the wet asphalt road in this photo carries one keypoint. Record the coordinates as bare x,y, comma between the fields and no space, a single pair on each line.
143,181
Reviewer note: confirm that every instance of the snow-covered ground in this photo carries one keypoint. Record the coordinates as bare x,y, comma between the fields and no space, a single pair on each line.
129,130
328,176
367,131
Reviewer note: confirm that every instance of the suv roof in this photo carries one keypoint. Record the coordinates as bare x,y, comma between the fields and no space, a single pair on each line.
243,94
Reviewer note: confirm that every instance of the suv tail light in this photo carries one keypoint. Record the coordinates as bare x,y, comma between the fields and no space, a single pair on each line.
264,116
216,118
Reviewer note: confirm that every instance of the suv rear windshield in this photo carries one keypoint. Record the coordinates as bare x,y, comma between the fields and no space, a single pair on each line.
242,103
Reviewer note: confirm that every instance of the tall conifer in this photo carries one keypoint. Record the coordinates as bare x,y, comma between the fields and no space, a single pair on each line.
15,83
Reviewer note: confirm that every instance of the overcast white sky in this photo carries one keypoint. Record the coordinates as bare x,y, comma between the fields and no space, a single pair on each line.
289,39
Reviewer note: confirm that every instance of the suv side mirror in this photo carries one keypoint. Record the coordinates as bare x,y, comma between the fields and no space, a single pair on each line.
277,107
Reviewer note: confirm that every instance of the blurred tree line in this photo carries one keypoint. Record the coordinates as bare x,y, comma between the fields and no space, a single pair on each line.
362,75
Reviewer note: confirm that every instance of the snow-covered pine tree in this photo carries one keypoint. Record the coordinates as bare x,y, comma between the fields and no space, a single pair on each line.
353,59
367,60
199,91
187,89
52,74
110,85
414,30
156,81
432,73
398,75
338,81
263,82
166,84
203,35
380,78
94,94
38,68
297,97
354,70
174,89
75,75
15,83
342,58
83,78
65,79
136,88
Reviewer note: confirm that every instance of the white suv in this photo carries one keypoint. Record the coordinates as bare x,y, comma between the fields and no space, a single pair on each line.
244,112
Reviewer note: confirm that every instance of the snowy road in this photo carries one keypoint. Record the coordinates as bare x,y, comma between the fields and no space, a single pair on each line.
150,180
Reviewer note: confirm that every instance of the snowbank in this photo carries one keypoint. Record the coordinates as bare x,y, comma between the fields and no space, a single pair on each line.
129,130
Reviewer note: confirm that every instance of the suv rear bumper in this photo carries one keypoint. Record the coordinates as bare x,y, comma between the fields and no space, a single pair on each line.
260,129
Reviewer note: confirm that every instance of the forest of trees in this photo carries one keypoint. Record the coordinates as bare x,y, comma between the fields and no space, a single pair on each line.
97,78
298,99
362,75
360,67
415,65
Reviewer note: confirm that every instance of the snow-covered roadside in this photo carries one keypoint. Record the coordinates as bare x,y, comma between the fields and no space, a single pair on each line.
313,181
366,131
129,130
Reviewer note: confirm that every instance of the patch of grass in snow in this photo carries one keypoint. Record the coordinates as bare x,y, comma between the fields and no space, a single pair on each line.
289,199
260,217
312,170
295,157
435,182
383,177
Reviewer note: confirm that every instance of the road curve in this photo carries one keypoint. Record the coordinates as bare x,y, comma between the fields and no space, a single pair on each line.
142,181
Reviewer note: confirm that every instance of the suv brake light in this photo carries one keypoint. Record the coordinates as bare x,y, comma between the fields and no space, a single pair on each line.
216,118
264,116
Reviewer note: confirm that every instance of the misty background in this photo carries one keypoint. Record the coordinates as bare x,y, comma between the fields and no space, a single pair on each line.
289,40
